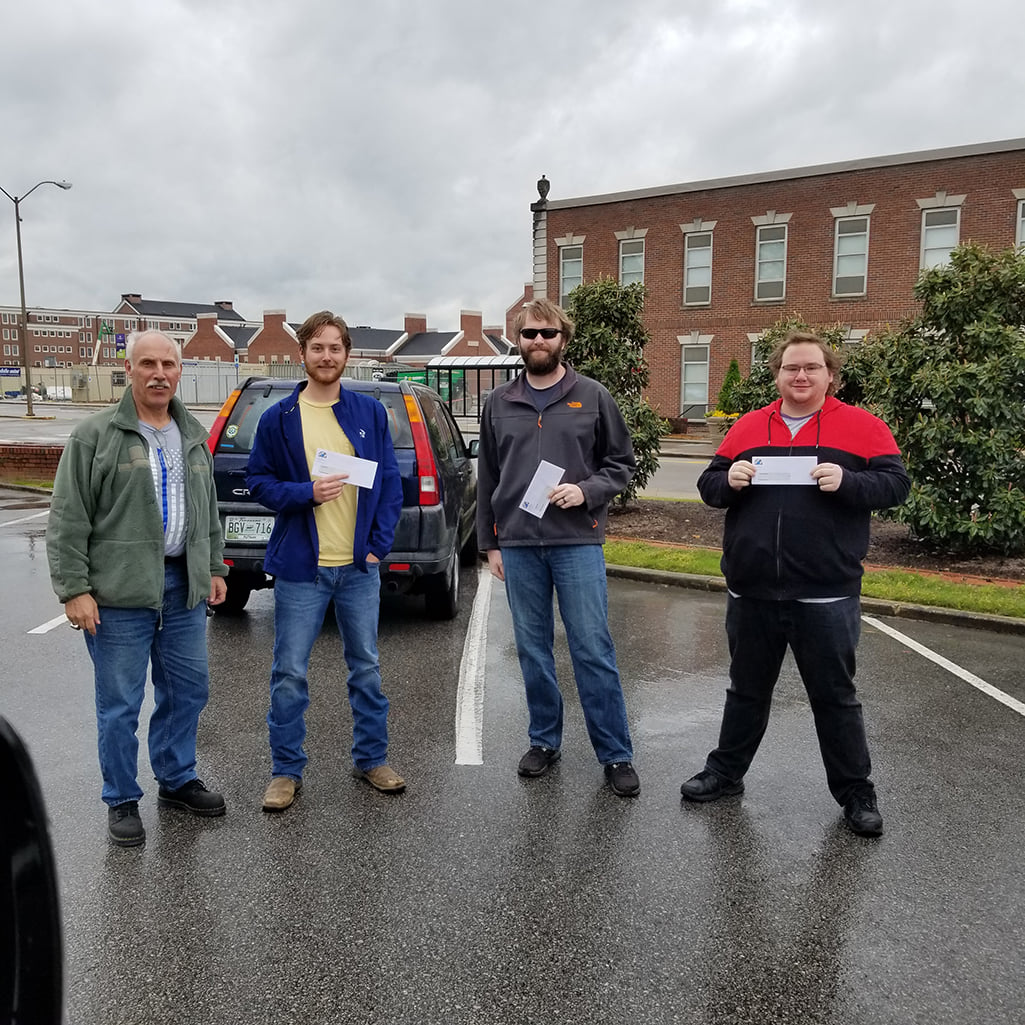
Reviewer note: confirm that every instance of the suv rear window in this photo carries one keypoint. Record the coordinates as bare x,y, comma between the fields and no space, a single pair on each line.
240,428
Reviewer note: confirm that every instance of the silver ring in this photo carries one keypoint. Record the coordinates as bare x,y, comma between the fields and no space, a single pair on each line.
74,626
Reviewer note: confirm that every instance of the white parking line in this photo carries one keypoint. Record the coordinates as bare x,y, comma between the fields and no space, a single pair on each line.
25,519
470,693
975,681
52,625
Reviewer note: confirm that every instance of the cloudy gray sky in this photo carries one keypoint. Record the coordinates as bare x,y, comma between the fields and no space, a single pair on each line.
379,157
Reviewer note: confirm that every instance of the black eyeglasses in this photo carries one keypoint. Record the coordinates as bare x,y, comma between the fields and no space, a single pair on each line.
530,333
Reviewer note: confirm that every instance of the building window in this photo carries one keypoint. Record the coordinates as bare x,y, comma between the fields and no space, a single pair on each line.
697,268
771,261
850,256
941,230
694,350
571,271
631,261
1019,236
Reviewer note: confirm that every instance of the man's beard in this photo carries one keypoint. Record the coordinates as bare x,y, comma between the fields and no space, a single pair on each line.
325,375
542,362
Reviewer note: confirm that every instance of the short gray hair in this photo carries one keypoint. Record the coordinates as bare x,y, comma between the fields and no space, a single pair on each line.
136,335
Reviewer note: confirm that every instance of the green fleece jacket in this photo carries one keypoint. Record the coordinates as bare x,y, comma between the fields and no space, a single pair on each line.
105,534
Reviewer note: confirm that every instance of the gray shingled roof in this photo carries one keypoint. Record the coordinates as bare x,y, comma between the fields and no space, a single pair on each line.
373,339
240,334
165,309
426,343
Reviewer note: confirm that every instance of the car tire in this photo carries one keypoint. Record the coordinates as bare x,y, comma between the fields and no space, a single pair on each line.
237,595
441,594
32,966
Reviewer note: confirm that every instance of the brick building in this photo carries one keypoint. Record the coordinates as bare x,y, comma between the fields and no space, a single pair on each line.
725,259
66,338
217,332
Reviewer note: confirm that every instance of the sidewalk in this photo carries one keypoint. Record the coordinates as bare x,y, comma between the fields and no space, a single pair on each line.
689,446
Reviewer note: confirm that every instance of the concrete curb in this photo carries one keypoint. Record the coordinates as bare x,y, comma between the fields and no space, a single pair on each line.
874,606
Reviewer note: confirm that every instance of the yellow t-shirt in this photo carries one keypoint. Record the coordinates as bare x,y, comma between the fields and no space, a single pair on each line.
336,521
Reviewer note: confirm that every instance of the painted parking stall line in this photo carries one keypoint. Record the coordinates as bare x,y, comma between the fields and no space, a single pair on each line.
977,682
470,693
26,519
45,628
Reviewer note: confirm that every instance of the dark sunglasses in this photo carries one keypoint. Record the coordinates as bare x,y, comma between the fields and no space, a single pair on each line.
530,333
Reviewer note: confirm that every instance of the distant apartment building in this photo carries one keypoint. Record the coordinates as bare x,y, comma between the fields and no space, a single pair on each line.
66,338
725,259
217,332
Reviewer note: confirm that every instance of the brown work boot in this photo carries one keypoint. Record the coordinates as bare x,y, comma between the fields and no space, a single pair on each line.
382,778
280,793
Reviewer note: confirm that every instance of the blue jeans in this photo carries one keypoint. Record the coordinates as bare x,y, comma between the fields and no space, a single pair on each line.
299,608
576,573
127,642
823,637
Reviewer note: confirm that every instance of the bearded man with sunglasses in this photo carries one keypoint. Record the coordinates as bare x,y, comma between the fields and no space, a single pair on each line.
799,479
554,450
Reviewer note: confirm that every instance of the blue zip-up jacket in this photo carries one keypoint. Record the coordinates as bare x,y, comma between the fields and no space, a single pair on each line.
278,477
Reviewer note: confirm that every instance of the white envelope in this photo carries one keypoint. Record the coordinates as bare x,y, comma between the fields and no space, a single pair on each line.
784,469
361,471
535,498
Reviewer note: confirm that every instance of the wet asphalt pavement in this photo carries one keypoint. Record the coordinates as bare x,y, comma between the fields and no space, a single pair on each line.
478,897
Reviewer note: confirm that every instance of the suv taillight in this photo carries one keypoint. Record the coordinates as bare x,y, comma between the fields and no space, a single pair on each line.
221,419
428,472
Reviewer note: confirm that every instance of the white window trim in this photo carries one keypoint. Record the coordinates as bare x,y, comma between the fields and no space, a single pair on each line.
632,235
772,218
1019,224
698,227
575,241
695,338
921,247
836,250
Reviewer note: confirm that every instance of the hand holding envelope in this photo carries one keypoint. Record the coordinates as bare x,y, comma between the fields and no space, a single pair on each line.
785,470
334,470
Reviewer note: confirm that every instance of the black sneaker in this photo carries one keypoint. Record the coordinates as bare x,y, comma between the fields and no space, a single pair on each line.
537,761
709,786
862,814
124,825
623,779
194,797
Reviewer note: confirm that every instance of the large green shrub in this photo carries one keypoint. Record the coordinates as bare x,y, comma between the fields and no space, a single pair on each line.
609,347
951,385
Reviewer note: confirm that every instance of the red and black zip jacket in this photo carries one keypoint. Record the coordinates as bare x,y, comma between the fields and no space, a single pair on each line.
792,541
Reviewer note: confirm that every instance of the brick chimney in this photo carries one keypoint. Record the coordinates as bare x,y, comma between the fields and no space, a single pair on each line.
415,323
225,304
471,323
131,297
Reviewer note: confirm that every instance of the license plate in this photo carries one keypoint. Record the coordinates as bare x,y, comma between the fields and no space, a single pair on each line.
248,528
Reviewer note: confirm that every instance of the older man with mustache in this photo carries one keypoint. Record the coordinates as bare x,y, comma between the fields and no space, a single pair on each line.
134,546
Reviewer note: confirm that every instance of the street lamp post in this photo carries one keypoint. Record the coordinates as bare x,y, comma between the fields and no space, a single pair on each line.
25,361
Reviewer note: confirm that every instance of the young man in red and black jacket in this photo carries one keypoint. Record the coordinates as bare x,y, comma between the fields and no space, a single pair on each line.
799,479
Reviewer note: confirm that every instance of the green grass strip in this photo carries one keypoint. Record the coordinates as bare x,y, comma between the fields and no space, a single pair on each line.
890,584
